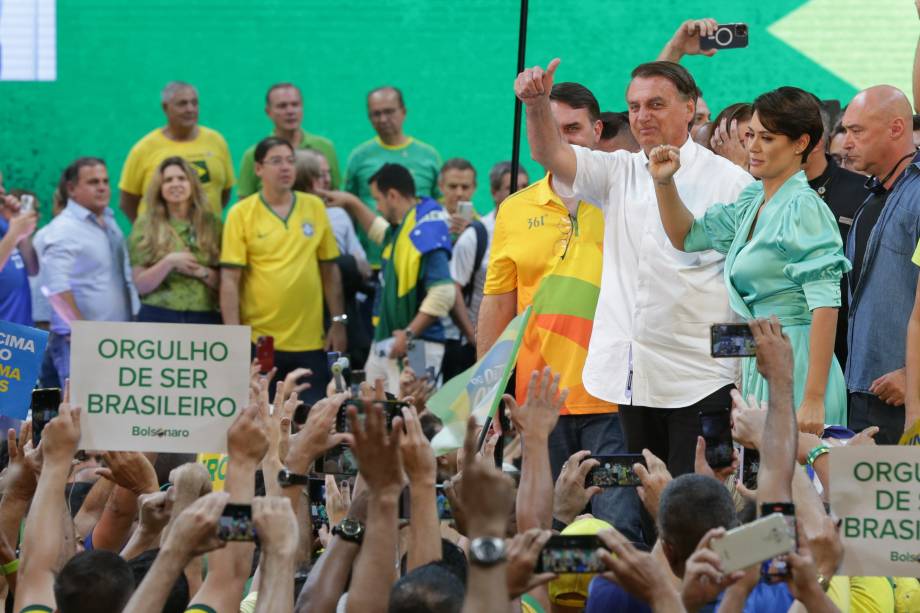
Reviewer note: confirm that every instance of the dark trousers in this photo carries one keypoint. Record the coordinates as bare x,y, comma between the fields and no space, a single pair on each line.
868,410
601,435
670,433
160,315
457,358
315,361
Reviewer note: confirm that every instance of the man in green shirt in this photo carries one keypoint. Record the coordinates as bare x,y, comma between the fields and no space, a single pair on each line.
284,106
387,113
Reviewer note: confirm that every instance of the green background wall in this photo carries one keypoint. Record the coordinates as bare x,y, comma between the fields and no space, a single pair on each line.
454,60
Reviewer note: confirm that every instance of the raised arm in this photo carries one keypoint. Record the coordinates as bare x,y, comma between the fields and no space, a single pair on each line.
421,468
686,40
44,531
780,435
663,163
533,87
276,526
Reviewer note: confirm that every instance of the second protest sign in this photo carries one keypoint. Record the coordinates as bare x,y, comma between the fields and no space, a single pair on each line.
158,387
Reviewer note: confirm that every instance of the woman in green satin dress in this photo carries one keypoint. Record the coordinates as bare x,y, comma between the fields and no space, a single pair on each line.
783,252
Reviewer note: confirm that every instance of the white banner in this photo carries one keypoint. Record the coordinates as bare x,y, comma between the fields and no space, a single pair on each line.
875,491
158,387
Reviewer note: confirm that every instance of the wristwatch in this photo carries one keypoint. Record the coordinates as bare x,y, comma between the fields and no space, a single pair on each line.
288,479
340,319
487,551
409,335
350,530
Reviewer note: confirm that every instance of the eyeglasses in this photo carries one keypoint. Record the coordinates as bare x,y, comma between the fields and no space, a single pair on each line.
566,228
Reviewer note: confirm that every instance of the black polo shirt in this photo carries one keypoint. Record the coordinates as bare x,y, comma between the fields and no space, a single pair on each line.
844,192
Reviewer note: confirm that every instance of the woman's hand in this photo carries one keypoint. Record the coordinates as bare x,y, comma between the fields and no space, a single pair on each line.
663,162
184,262
810,416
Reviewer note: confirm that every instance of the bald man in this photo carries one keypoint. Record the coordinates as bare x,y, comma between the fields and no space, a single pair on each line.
886,230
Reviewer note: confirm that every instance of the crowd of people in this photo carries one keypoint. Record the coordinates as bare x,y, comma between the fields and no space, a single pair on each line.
786,212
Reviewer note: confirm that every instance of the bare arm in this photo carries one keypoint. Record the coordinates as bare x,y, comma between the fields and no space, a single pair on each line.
686,40
129,204
352,205
29,257
44,531
461,316
533,87
276,526
65,306
821,350
495,312
327,579
230,294
421,468
93,506
337,336
912,397
778,447
677,220
148,279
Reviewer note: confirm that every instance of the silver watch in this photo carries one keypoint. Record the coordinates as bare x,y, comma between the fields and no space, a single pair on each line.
340,319
487,551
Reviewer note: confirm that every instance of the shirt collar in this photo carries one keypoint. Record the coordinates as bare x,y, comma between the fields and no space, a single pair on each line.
545,192
81,212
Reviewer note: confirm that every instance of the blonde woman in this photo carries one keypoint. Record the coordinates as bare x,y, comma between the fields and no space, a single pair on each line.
174,249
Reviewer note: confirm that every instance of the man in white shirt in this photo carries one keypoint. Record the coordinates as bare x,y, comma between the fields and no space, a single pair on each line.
650,350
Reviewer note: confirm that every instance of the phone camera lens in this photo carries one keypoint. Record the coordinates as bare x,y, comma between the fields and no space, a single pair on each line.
724,36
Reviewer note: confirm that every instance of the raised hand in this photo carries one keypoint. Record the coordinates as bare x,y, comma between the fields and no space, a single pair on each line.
131,470
774,351
486,494
62,434
377,451
275,524
703,576
247,438
637,572
538,416
315,437
702,467
571,496
535,84
728,143
663,162
417,456
154,511
523,552
194,532
686,40
25,463
654,480
748,420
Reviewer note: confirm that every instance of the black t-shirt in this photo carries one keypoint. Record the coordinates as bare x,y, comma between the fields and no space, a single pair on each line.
867,218
844,192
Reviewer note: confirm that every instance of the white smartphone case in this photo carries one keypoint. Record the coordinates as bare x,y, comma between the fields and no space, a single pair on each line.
754,542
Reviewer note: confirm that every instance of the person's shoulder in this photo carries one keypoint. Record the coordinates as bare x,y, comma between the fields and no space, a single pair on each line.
207,134
243,207
148,142
363,149
310,202
422,146
250,153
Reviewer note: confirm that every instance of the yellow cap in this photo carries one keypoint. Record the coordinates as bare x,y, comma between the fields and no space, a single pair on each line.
571,589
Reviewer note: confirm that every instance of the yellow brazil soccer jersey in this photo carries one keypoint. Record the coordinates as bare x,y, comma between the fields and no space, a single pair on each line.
281,291
207,153
554,262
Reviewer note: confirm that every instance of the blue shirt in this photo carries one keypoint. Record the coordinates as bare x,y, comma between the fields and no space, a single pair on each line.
15,298
82,257
882,299
604,596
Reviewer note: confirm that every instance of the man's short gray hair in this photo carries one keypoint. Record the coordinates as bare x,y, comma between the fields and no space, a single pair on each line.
172,88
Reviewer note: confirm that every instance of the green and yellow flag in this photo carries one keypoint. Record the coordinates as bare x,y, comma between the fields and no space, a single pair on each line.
478,390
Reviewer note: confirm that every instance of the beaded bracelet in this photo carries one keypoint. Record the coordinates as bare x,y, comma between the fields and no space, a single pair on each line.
816,453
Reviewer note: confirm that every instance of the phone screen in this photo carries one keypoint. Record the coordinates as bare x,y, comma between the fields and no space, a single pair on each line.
750,466
355,379
732,341
265,353
776,570
235,523
615,471
570,554
416,355
716,427
45,404
318,515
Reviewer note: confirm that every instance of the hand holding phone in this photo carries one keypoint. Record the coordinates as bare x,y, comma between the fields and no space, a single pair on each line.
265,353
716,427
732,341
235,523
44,407
571,554
753,543
726,36
465,210
615,471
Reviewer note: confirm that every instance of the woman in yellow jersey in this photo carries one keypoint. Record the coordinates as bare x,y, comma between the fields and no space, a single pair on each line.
174,248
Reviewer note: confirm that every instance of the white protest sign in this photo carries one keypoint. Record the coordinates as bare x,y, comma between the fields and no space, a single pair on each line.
875,491
158,387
